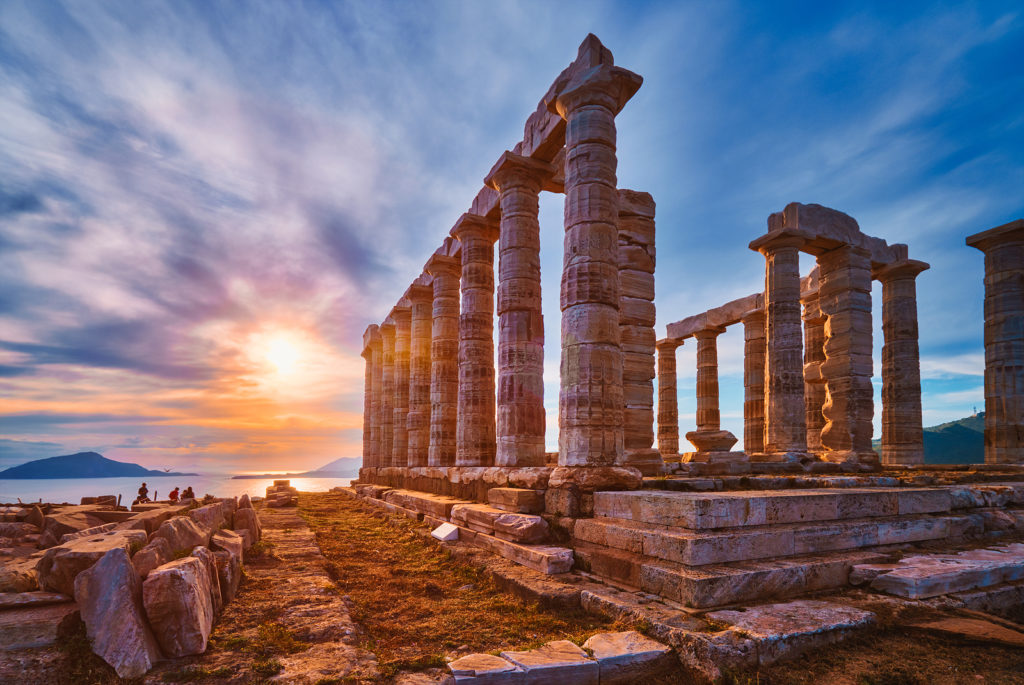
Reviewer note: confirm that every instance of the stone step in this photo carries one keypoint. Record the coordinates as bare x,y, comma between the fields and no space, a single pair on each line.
699,548
526,528
708,510
721,584
517,500
931,575
437,506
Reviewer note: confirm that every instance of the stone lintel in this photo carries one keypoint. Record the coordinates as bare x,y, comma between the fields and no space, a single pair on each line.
510,164
1011,232
827,229
719,317
909,268
780,237
636,203
668,344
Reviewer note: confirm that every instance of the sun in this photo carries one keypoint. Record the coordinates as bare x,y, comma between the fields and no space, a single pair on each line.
283,353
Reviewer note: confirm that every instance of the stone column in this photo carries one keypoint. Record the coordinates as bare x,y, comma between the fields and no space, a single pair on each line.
418,421
368,408
444,360
475,441
376,432
785,434
387,394
902,433
844,295
521,418
1004,341
712,443
636,329
590,397
668,401
753,381
814,357
402,316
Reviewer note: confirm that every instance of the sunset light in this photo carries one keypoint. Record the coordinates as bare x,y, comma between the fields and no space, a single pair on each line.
283,353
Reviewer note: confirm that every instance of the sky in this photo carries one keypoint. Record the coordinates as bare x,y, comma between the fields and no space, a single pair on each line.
204,204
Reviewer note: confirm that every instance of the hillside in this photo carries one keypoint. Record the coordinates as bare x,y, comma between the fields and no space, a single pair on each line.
956,442
345,467
82,465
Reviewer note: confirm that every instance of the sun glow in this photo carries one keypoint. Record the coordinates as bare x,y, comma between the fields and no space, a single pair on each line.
283,353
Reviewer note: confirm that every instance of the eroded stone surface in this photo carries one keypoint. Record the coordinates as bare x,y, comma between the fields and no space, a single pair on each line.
179,605
627,657
60,565
157,553
931,575
558,661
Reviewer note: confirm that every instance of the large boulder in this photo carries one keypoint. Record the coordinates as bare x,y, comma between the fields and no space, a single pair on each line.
70,520
244,502
35,516
179,604
59,566
109,596
19,575
229,541
157,553
182,533
210,517
210,563
17,530
229,573
247,518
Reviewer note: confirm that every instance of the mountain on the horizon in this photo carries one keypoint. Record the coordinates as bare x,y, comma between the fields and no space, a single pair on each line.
345,467
82,465
956,442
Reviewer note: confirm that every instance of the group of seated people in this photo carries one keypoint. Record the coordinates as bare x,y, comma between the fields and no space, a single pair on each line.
173,496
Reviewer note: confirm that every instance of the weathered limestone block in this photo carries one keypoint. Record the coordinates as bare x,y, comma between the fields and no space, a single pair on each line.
109,596
418,420
387,390
517,500
402,316
37,626
1004,341
210,517
590,398
814,357
70,520
178,601
627,657
668,403
248,519
60,565
485,668
182,533
204,555
19,575
229,573
227,540
558,661
444,360
157,553
18,529
244,502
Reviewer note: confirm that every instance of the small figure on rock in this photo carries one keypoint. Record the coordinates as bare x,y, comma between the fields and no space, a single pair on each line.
173,495
143,494
188,494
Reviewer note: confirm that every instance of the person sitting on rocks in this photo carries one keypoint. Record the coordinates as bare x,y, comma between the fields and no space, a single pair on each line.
173,495
143,494
188,494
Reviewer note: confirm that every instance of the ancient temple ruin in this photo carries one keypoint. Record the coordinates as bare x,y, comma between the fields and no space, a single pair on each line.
451,437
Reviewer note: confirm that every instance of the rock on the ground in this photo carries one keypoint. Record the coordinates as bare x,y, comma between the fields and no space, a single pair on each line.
210,562
244,502
61,564
227,540
445,532
182,533
36,626
247,518
485,668
157,553
36,517
627,657
178,604
19,575
559,661
109,595
246,536
229,574
209,517
70,520
16,529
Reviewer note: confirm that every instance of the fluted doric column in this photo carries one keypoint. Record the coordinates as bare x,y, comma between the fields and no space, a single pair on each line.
444,360
368,397
636,329
814,357
475,429
668,401
844,295
402,316
753,381
590,397
712,443
1004,341
520,417
418,421
902,431
387,395
376,431
785,434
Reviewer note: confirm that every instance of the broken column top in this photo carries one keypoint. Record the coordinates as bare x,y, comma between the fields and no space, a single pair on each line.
371,336
1011,232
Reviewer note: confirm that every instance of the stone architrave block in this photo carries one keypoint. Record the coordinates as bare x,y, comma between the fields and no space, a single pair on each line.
60,565
446,532
178,601
109,596
560,661
627,657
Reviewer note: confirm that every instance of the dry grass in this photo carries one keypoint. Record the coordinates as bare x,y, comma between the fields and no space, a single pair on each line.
415,603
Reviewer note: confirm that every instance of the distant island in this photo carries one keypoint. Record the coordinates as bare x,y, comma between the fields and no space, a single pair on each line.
957,442
345,467
82,465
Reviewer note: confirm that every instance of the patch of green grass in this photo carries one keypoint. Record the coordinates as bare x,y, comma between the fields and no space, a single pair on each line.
267,667
273,638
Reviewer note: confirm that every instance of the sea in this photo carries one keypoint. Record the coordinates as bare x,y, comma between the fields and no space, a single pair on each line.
72,490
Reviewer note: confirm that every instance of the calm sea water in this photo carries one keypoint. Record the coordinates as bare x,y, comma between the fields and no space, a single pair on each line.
74,489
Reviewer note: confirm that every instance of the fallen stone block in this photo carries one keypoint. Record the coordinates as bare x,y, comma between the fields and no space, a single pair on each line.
70,520
210,517
525,528
14,600
556,662
157,553
930,575
228,540
60,565
109,596
178,601
17,529
210,562
517,500
544,558
19,575
485,669
246,536
229,574
446,532
35,626
244,502
627,657
182,533
95,530
247,518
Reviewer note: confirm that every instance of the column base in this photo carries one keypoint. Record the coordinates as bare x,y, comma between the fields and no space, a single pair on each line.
851,457
593,478
648,461
711,440
715,457
781,457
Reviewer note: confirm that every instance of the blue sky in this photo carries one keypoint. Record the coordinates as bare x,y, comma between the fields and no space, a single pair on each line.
202,205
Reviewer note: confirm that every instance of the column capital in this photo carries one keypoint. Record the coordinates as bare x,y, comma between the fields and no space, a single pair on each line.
371,336
709,333
475,226
668,344
515,170
417,293
753,316
604,85
779,239
387,329
900,270
443,264
1012,232
401,313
